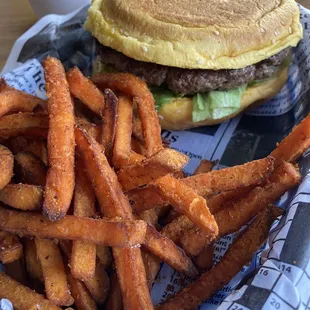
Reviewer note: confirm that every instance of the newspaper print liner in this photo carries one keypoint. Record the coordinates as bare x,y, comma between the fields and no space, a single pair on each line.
279,275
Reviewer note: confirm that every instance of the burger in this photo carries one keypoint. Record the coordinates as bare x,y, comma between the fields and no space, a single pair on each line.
205,61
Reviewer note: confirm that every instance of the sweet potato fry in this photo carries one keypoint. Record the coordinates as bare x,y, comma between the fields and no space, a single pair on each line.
82,111
183,230
6,166
215,181
204,166
99,284
136,88
175,229
151,265
23,124
82,298
22,196
3,234
135,158
109,122
149,216
92,129
184,199
10,248
215,203
66,248
137,131
40,108
171,215
239,254
102,231
283,179
152,262
104,255
13,100
208,183
22,144
55,279
165,161
132,278
22,297
83,89
17,271
164,213
60,176
30,169
137,146
112,202
295,144
33,264
103,178
145,198
38,148
222,200
194,240
204,261
123,129
233,217
83,260
17,144
114,300
167,251
83,257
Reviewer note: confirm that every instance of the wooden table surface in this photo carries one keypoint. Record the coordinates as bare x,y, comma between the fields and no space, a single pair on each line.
16,16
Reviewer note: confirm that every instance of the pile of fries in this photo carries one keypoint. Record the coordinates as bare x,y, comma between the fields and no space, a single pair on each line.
92,200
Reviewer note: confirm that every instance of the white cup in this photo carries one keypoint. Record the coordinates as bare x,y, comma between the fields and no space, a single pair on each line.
44,7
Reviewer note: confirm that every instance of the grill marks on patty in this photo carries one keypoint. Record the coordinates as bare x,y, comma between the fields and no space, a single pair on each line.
190,81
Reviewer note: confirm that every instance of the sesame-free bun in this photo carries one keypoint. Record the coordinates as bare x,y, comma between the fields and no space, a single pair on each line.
177,114
209,34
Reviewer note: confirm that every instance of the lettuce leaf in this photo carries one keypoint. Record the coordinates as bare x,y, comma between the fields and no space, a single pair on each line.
216,104
162,96
201,109
212,105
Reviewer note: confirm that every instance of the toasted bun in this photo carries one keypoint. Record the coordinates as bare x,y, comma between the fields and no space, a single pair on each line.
209,34
177,114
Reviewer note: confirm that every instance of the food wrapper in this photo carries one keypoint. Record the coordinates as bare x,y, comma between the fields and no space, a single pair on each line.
278,276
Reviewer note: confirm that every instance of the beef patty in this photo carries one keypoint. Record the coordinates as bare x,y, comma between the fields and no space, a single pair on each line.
190,81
